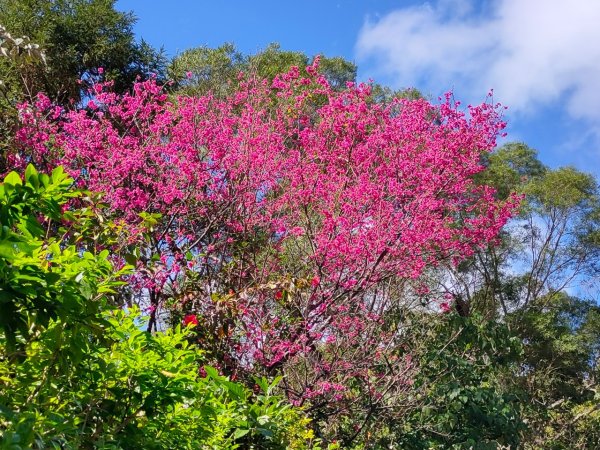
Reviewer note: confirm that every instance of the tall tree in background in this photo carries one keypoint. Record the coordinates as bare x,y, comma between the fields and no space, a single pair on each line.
539,280
550,246
22,54
200,70
78,37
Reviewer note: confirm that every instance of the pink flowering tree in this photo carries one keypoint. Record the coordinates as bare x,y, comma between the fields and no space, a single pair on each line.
288,221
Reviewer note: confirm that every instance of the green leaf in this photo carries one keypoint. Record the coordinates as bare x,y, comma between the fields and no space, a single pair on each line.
236,390
240,433
212,372
58,174
130,259
13,178
31,176
45,179
7,250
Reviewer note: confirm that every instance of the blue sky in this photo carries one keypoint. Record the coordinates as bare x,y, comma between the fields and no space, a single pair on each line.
541,57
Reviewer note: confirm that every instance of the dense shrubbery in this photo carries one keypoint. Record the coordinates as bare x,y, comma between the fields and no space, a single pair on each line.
78,373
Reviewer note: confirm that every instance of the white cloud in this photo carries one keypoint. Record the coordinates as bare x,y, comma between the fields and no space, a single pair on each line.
531,52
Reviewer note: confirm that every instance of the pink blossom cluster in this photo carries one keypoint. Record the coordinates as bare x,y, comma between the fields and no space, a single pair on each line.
288,178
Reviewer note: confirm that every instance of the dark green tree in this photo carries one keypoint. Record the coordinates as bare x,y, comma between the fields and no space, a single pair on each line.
78,37
558,376
202,69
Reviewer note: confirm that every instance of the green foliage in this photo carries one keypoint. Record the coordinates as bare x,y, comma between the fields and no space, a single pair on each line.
559,371
562,339
553,241
510,168
43,276
462,403
384,94
273,61
553,244
337,71
200,70
563,188
457,392
133,389
78,36
76,373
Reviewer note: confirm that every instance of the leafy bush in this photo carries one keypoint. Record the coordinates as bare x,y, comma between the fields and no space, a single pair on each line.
77,373
44,276
134,389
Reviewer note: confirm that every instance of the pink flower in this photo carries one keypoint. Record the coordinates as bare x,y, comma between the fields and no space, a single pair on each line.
188,75
100,70
315,281
190,319
297,231
445,307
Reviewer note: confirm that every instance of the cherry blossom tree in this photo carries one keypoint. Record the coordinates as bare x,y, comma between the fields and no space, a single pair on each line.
288,220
